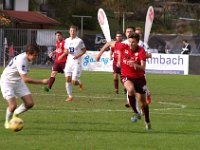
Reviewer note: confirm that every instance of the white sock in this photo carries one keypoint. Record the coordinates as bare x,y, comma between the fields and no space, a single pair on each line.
147,91
20,109
8,115
69,88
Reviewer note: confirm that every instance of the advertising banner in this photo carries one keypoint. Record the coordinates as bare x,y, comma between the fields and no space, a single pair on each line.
159,63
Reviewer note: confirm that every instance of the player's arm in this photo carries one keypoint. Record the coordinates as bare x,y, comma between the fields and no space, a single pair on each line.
119,59
65,52
148,55
52,53
104,48
83,51
111,54
140,66
27,79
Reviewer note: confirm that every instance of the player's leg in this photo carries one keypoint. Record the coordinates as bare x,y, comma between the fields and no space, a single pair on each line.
140,86
68,86
26,105
145,108
116,82
148,96
7,90
12,104
132,100
52,79
24,93
116,71
76,77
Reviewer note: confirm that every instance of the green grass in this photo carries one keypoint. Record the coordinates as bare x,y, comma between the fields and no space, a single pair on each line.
98,120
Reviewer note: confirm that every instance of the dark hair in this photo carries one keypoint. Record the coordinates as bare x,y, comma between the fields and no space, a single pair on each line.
58,32
119,32
134,36
184,40
32,49
132,27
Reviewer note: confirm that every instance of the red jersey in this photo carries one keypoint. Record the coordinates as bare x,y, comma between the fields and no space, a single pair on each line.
115,51
59,51
127,55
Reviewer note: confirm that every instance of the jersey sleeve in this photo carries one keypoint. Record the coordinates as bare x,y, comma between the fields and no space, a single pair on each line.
22,66
120,46
81,44
143,55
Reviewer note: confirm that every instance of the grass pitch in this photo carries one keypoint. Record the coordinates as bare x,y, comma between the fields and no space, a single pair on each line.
98,120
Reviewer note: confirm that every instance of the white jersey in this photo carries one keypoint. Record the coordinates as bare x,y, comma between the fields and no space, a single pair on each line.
74,46
18,65
144,45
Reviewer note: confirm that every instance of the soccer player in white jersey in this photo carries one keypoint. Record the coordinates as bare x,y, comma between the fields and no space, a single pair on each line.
75,49
13,81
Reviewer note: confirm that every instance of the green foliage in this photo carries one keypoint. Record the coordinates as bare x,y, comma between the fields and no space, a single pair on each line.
98,120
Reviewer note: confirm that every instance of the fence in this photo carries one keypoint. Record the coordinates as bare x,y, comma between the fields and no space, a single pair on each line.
45,39
17,39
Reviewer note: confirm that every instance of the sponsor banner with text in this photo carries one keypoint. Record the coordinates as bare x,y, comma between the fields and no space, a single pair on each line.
159,63
168,64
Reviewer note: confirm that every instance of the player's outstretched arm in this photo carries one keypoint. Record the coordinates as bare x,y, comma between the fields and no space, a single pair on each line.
104,48
27,79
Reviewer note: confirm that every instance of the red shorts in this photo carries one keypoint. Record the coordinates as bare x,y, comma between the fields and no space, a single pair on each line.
116,69
59,67
139,83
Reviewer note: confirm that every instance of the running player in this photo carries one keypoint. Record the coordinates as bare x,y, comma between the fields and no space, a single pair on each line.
60,60
132,59
116,69
75,48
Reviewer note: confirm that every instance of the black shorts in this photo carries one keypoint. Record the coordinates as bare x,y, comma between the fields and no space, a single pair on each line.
116,69
59,67
139,83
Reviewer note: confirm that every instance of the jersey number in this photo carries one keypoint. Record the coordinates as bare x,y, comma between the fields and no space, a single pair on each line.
71,50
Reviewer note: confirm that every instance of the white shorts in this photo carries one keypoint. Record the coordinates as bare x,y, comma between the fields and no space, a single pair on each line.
73,70
17,89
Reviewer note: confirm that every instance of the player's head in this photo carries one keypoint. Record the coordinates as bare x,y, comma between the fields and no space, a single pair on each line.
73,31
185,41
118,36
32,52
129,30
133,40
58,35
138,30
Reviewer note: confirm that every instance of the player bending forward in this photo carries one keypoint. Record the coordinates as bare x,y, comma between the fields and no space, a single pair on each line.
13,81
132,59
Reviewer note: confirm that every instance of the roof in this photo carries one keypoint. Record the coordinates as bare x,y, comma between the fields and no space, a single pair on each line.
32,17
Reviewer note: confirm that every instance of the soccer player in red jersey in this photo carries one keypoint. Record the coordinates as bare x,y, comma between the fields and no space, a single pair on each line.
114,56
132,59
60,60
138,30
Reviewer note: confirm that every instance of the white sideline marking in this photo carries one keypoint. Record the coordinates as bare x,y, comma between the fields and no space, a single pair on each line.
177,106
96,97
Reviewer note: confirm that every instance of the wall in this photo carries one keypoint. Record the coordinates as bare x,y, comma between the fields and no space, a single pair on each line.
21,5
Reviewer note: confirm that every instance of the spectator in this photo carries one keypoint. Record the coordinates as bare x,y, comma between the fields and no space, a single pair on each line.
186,49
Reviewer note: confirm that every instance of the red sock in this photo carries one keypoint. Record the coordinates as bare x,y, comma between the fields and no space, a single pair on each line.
51,81
146,113
132,102
116,84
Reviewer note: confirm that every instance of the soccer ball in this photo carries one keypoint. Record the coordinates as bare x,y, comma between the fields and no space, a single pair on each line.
16,124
